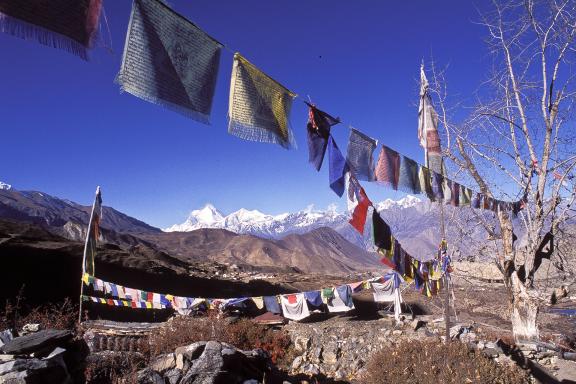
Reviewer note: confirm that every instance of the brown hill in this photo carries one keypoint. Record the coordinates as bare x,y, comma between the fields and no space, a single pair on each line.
321,250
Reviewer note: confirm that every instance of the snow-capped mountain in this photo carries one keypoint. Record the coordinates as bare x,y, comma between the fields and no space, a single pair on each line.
414,222
410,218
5,186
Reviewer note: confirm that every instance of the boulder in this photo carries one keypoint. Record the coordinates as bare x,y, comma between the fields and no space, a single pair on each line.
33,371
206,363
35,342
5,336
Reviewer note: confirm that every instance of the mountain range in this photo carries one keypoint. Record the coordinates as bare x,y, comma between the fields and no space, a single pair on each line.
413,221
321,250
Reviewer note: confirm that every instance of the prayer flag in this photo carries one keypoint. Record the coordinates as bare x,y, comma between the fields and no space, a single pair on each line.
455,194
360,155
408,179
382,232
428,127
426,182
358,220
388,167
92,235
71,25
259,106
338,167
169,61
318,131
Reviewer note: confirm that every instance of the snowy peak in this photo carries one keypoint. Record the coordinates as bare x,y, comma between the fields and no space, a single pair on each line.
207,215
5,186
254,222
406,202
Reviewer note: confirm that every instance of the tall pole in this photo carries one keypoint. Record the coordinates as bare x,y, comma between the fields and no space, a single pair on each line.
84,257
424,133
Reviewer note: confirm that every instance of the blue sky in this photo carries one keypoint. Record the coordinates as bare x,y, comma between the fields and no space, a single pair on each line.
66,128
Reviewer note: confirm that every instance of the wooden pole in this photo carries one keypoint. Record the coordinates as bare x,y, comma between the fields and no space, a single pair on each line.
84,257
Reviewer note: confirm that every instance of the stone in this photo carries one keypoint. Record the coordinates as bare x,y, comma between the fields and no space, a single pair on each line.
163,363
397,332
301,343
30,328
38,341
189,352
315,355
223,363
5,336
296,363
149,376
330,357
33,371
468,337
6,358
416,324
172,376
490,352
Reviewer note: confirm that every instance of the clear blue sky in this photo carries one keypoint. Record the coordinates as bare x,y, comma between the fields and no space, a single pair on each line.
66,128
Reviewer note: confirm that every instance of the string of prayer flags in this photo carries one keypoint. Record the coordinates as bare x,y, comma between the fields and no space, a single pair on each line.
259,106
125,303
318,131
169,61
93,233
71,25
388,167
360,155
337,167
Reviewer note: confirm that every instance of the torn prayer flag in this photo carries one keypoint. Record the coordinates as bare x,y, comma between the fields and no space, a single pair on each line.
318,130
358,220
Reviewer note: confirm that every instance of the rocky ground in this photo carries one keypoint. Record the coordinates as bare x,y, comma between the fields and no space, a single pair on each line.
338,348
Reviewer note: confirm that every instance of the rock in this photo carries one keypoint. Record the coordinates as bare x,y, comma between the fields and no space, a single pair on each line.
315,355
301,343
396,332
491,352
30,328
172,376
187,353
6,358
42,340
415,324
149,376
468,337
5,336
214,362
164,363
296,363
33,371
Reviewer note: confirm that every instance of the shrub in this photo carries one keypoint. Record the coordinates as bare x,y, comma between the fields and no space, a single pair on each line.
242,333
435,362
63,315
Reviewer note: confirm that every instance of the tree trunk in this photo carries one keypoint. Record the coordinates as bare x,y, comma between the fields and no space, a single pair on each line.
524,311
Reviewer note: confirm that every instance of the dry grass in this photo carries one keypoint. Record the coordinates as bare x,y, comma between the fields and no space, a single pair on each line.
16,314
433,362
242,333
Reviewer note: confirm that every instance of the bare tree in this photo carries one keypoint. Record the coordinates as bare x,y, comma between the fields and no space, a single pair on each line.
519,137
